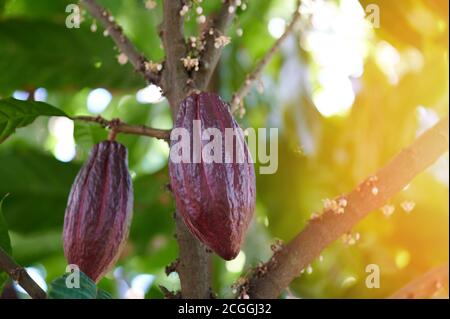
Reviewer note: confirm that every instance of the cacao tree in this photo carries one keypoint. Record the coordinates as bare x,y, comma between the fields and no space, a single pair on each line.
96,97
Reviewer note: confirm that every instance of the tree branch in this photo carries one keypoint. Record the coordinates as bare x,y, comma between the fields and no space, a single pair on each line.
194,266
238,97
20,275
120,127
139,62
211,55
287,263
172,33
426,286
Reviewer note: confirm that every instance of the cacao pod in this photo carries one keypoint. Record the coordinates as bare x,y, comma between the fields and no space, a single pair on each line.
215,200
99,210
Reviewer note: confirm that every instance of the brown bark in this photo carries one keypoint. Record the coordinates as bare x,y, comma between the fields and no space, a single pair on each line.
20,275
433,284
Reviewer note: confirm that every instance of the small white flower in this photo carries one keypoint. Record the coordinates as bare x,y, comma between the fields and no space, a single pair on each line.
342,202
350,239
201,19
94,27
336,206
193,41
190,63
122,59
152,66
408,206
184,10
375,191
221,41
309,270
150,4
388,210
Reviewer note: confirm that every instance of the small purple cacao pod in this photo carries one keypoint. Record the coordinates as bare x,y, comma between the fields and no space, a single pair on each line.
99,210
215,199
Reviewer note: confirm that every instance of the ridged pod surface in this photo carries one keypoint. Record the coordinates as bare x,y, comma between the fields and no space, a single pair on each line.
216,200
99,210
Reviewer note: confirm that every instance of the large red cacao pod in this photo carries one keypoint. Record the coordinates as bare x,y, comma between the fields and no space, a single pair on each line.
99,210
215,200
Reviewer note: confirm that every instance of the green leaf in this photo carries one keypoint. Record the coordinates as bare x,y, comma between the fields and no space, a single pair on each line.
102,294
5,242
87,289
3,278
60,290
15,114
49,57
35,9
38,185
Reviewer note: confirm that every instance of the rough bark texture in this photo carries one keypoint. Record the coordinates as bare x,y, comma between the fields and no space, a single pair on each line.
194,267
433,284
120,127
211,55
20,275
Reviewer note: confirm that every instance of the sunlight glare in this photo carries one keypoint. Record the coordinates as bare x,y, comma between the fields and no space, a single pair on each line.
98,100
40,95
402,259
21,95
37,276
236,265
276,27
338,43
336,96
139,286
61,128
150,95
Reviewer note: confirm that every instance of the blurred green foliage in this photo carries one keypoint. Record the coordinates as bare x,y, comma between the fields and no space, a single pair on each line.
38,51
5,241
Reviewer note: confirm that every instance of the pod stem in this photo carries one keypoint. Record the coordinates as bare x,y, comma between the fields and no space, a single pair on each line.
112,135
114,129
